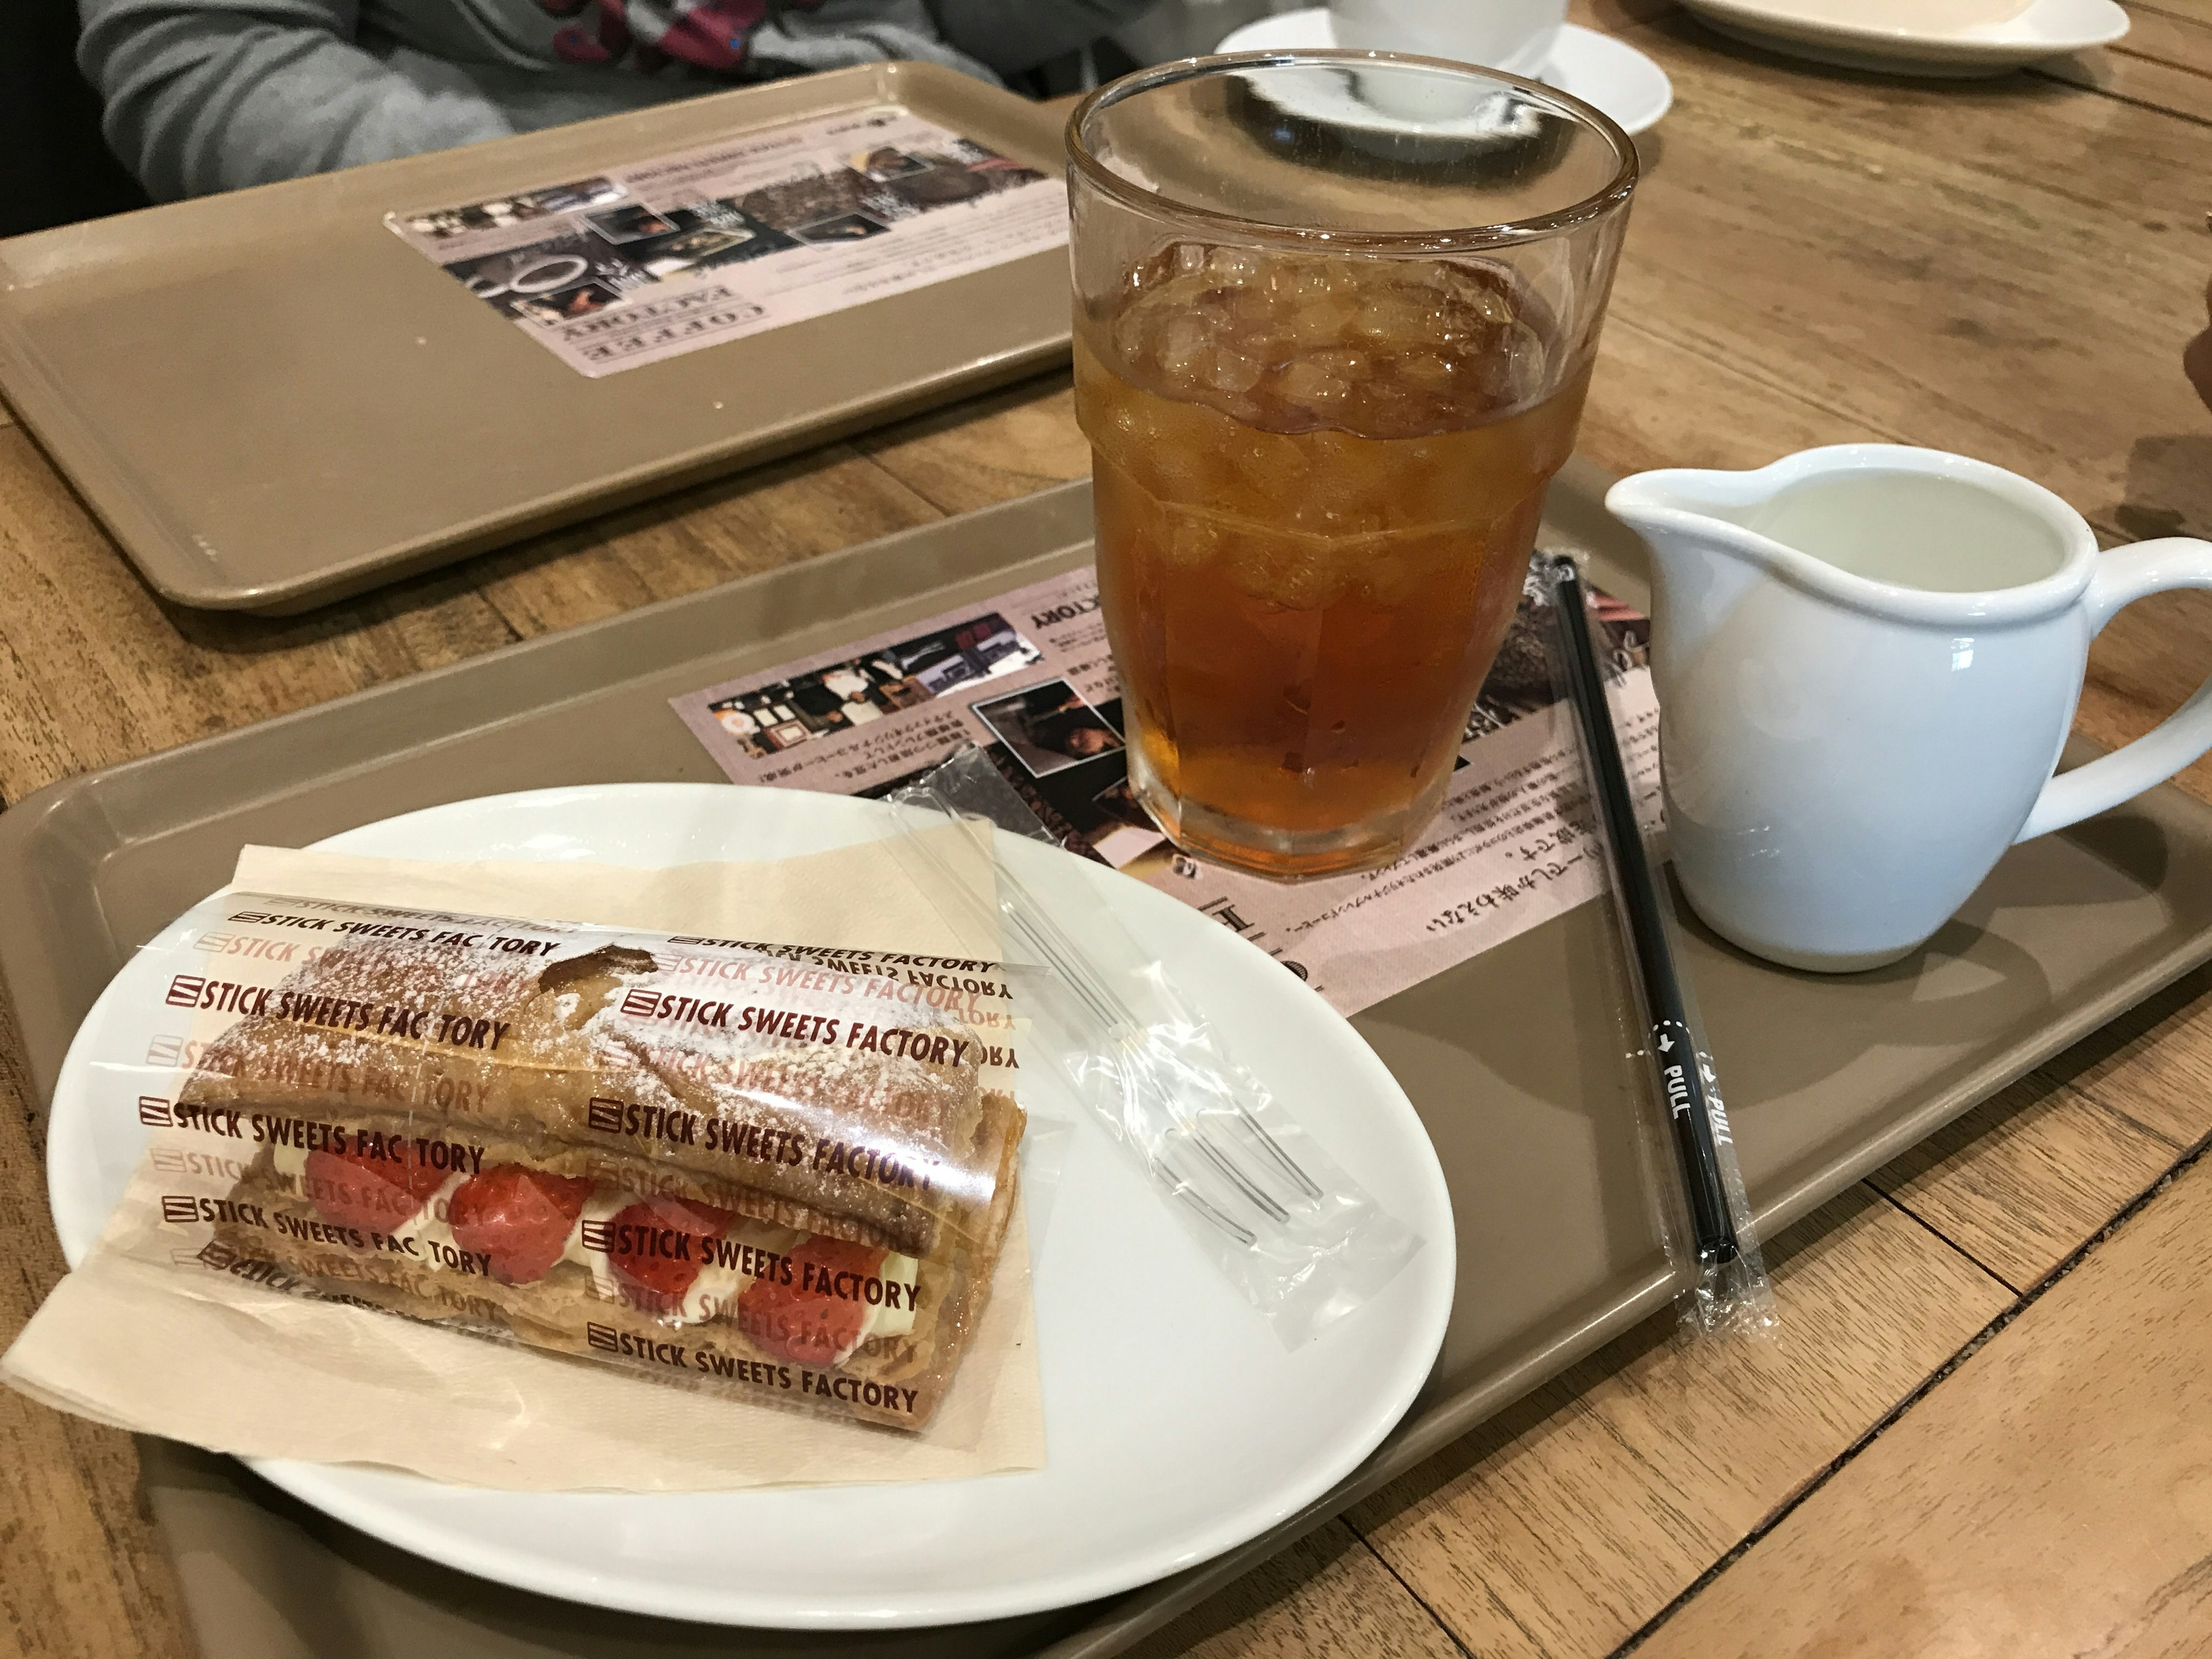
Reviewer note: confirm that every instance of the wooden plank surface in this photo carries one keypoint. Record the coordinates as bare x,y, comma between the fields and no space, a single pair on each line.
2147,16
1328,1593
2155,1061
1565,1525
1960,265
2054,1496
2164,62
2019,1183
2009,270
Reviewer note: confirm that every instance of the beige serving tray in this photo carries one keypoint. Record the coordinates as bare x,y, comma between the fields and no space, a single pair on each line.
1827,1078
272,401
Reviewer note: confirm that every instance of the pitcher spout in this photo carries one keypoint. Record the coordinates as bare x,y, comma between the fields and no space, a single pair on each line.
1642,498
1884,530
1694,521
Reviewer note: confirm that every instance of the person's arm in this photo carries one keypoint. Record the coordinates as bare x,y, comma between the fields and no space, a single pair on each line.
807,37
206,95
1015,36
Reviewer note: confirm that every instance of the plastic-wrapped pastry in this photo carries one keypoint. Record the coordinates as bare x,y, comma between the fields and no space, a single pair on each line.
785,1171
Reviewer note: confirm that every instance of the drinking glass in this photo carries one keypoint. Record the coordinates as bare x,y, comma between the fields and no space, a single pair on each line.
1334,319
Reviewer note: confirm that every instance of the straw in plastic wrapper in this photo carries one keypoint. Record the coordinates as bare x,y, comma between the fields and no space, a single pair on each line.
1698,1203
1297,1236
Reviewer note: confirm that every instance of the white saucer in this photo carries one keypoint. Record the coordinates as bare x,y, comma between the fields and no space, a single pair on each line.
1596,68
1913,43
1177,1426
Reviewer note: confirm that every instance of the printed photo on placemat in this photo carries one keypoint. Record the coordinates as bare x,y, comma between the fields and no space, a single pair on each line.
649,261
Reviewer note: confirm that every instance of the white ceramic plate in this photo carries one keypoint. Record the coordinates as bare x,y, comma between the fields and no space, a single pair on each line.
1920,37
1177,1427
1585,64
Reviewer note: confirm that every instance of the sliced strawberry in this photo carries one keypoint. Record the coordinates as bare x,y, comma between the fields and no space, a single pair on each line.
656,1248
379,1185
519,1217
818,1319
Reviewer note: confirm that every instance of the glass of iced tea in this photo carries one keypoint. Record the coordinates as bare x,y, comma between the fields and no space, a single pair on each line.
1334,318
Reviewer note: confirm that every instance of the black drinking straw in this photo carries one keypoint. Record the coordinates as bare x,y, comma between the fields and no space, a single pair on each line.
1675,1065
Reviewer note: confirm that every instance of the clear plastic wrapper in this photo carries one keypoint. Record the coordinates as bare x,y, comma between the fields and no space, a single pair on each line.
1296,1235
1691,1172
781,1172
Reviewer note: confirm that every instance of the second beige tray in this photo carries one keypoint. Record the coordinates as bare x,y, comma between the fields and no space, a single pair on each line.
270,401
1511,1058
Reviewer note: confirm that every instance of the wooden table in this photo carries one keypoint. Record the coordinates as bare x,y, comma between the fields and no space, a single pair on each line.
1988,1425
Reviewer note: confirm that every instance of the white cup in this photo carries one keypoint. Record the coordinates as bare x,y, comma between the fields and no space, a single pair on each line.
1868,659
1516,36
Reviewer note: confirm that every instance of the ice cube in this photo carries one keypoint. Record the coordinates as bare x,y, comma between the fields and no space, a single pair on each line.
1427,371
1232,372
1233,267
1298,580
1190,539
1183,345
1321,321
1270,464
1493,305
1395,319
1307,384
1254,305
1134,336
1480,289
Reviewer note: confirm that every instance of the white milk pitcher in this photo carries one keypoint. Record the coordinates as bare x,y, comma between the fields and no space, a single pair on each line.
1867,659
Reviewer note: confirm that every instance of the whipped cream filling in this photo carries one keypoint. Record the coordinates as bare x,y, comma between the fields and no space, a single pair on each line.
883,1319
603,1205
715,1291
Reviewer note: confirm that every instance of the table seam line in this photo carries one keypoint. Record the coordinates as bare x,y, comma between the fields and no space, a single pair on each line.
1997,1324
875,465
2118,97
942,509
2142,56
2182,1149
2160,11
1419,1601
514,636
1933,1232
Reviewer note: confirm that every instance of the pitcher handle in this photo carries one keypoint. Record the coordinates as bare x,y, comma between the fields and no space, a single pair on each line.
2125,575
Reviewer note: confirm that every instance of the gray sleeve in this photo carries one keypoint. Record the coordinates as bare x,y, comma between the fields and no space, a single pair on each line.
206,95
1015,36
838,33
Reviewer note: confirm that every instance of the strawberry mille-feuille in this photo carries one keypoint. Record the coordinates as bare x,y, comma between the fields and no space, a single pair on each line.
795,1189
